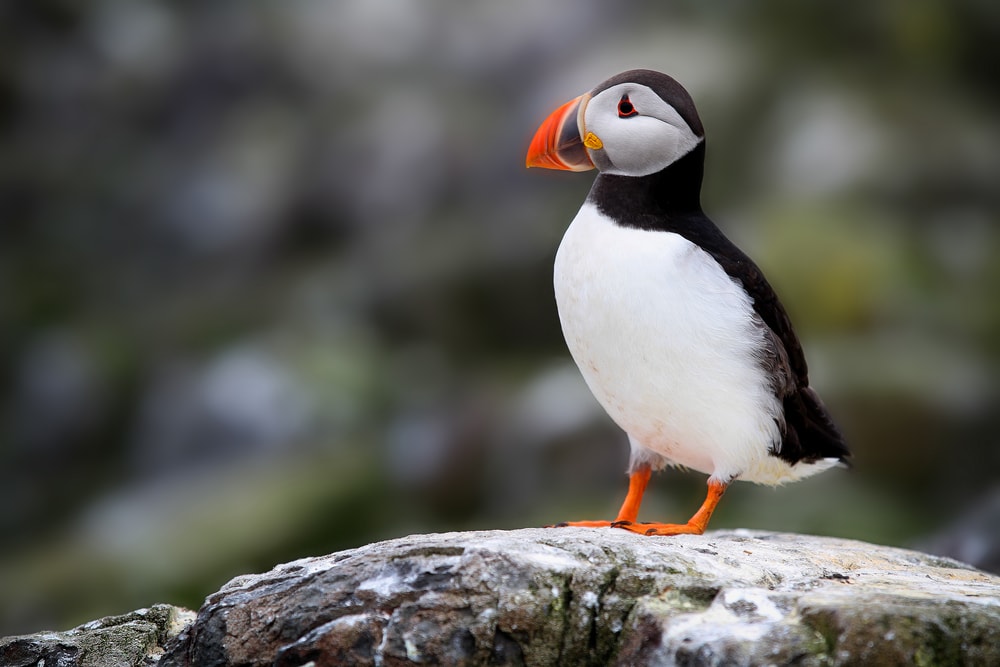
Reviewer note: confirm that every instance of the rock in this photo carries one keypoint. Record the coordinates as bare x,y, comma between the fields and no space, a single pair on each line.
136,638
596,597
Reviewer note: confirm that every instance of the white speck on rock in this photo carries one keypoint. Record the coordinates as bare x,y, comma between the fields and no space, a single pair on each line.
554,561
383,585
753,602
352,619
741,614
412,652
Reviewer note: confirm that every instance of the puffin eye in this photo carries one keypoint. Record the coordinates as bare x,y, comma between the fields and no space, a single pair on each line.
625,108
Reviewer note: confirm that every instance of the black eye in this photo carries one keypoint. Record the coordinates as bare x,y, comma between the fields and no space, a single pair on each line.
625,108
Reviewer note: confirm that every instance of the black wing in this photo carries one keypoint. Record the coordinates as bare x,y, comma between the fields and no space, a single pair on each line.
809,433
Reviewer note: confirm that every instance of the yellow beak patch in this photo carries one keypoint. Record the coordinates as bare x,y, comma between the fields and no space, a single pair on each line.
592,141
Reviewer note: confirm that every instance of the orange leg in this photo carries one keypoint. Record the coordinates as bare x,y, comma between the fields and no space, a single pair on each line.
695,526
629,512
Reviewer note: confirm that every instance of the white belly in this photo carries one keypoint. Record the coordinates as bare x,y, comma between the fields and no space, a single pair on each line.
666,342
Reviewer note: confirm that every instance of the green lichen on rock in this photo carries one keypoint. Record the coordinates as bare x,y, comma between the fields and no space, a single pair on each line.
903,629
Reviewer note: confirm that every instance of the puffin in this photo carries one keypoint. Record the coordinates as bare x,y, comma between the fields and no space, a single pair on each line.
677,333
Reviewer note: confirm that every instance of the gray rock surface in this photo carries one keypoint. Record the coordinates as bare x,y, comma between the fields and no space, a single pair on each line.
136,638
596,597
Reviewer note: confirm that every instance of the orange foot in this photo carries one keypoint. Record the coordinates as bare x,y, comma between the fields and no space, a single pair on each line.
630,511
637,482
648,528
581,524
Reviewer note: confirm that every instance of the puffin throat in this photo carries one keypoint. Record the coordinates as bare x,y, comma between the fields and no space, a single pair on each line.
674,191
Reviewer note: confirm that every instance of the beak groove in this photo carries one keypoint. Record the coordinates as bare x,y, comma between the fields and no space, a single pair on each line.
557,143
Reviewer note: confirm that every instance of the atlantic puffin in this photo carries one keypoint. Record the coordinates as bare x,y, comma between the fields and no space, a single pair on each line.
675,330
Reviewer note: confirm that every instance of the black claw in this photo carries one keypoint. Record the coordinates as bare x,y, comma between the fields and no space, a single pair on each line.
620,524
561,524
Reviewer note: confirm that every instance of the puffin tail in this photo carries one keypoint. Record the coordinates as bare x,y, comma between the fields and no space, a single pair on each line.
810,434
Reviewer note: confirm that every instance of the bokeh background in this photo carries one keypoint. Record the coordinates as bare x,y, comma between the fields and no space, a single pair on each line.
275,282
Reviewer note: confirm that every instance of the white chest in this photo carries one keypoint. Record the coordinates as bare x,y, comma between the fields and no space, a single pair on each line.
667,343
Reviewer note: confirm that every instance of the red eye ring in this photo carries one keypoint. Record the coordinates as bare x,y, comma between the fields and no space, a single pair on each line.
625,108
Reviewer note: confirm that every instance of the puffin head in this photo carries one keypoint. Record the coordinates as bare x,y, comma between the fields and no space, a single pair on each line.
636,123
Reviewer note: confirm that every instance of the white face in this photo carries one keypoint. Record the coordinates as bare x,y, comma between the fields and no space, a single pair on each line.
641,134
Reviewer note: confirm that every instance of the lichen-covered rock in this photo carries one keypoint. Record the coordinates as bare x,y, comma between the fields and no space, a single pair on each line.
596,597
132,639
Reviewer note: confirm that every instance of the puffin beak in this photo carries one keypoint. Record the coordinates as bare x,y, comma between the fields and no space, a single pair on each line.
557,143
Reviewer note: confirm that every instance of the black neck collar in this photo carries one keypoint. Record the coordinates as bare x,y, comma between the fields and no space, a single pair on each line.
650,202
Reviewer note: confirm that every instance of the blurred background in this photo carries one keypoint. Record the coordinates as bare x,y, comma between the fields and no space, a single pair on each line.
274,281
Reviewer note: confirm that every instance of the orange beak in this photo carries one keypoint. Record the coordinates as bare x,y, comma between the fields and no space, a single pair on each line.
557,143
